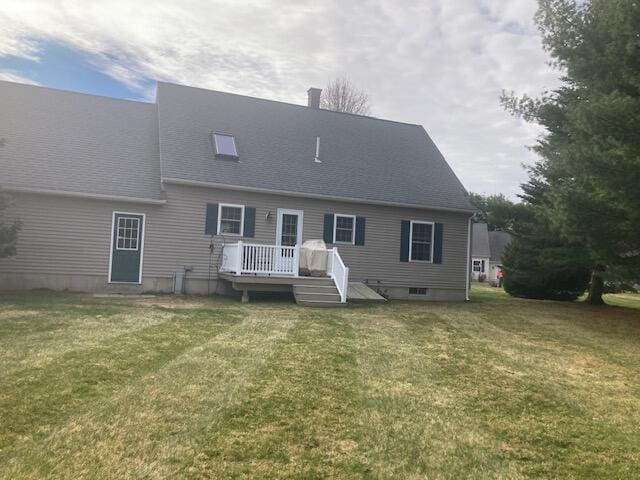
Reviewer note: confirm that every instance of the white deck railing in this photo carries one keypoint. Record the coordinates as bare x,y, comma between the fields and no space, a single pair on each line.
337,270
254,259
250,258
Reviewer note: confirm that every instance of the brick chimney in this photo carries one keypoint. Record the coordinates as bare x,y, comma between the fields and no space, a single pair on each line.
314,97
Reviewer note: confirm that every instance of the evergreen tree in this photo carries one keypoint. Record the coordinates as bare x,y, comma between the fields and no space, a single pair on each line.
539,263
590,153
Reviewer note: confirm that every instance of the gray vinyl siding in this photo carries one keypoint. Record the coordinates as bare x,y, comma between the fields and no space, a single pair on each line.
71,236
62,235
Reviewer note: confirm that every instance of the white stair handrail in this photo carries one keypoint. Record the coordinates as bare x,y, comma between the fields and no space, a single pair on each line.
338,272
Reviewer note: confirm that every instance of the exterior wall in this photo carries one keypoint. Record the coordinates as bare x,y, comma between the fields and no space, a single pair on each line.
475,275
65,243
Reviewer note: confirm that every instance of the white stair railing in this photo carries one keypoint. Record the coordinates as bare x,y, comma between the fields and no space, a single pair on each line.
338,272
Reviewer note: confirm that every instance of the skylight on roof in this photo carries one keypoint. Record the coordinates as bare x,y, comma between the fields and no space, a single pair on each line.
225,145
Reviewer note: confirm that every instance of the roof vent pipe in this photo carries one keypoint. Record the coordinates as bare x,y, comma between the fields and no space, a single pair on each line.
313,95
317,157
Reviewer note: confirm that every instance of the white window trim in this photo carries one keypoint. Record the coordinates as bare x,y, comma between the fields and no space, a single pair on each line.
215,143
141,243
117,229
232,205
411,240
335,227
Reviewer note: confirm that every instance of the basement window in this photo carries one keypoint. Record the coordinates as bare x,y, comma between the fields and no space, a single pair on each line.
225,145
417,291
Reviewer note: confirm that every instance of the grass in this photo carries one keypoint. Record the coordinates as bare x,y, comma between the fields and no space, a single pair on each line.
210,388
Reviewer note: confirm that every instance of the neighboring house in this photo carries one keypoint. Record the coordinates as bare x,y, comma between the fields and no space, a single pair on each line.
205,190
486,251
480,252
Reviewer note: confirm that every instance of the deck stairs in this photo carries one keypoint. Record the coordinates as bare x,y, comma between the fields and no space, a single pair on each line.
317,292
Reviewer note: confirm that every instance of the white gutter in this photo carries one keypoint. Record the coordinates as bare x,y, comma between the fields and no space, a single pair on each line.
196,183
468,268
96,196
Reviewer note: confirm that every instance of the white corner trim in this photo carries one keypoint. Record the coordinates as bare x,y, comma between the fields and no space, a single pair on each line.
96,196
411,239
142,233
223,186
469,267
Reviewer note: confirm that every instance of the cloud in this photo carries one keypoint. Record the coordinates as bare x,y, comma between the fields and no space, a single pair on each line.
12,76
439,63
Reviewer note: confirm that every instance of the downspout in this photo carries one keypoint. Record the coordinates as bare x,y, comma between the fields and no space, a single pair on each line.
467,269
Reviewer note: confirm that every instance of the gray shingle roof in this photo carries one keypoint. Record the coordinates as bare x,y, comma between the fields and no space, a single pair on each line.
480,241
498,242
362,157
66,141
57,140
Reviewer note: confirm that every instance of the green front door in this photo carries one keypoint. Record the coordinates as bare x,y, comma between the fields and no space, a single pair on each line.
126,253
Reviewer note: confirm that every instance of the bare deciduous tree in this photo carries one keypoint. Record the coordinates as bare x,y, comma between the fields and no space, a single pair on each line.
342,96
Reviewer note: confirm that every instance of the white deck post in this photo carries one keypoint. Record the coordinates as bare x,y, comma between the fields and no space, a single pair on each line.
240,254
296,260
345,287
334,250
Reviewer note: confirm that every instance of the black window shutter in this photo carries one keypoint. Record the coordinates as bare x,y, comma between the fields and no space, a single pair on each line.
211,224
360,223
249,222
437,243
405,227
328,228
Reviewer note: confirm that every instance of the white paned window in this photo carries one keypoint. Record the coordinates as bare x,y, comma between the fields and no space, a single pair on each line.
230,219
421,246
128,229
478,266
344,228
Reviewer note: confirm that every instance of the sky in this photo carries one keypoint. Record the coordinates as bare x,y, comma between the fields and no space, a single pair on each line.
438,63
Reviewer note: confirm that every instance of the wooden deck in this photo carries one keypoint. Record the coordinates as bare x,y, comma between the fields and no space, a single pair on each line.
271,279
357,291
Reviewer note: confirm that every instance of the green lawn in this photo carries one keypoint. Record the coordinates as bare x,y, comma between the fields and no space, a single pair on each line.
210,388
